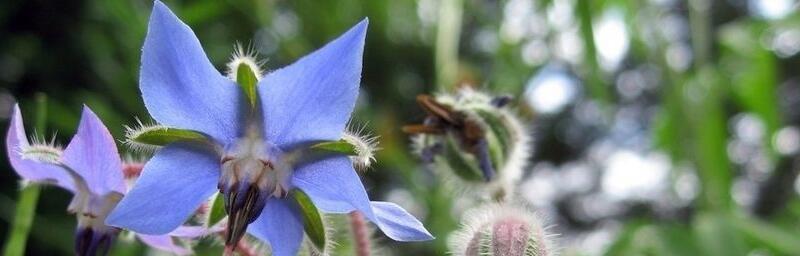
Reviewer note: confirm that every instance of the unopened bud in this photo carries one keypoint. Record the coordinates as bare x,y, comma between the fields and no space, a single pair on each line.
496,230
474,136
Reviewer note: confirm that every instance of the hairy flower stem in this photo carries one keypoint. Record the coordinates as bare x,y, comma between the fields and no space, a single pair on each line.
28,197
360,234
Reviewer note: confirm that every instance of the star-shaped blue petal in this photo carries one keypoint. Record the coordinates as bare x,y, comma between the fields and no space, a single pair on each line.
306,102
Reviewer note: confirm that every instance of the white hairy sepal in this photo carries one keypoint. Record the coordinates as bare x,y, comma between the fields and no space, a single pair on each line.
41,153
365,146
476,234
132,133
244,56
41,150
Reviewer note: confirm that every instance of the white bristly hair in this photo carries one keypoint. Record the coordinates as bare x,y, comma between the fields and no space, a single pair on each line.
365,145
247,56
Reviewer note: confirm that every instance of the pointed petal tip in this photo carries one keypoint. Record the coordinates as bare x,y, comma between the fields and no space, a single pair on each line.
87,112
16,118
162,11
159,6
363,23
15,109
360,28
356,33
15,135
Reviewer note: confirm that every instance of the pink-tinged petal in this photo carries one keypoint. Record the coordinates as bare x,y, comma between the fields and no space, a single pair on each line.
93,155
16,139
165,243
311,100
174,183
334,187
280,225
179,85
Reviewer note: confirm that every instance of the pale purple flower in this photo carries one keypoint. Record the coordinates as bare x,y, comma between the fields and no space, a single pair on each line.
90,168
251,154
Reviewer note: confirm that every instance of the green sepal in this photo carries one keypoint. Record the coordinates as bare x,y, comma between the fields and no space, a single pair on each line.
463,164
498,136
247,80
312,220
339,146
164,136
217,210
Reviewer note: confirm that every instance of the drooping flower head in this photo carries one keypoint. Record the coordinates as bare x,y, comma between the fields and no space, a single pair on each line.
257,133
90,168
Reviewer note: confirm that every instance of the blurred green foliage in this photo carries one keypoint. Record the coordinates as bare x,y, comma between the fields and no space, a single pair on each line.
87,52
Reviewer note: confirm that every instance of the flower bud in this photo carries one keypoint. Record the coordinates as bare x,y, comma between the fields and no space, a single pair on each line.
474,136
501,230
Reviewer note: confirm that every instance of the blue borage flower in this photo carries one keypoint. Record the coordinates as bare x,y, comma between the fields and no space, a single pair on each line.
90,168
253,157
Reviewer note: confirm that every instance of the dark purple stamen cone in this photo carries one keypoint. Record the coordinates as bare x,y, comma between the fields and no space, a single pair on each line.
243,205
90,242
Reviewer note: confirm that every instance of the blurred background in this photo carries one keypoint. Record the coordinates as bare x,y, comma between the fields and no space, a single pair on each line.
662,127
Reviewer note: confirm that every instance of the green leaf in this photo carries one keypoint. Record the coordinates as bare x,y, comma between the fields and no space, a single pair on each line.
716,235
339,146
217,211
247,79
775,237
312,220
164,136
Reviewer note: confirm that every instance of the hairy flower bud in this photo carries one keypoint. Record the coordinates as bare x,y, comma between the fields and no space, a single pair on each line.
501,230
474,136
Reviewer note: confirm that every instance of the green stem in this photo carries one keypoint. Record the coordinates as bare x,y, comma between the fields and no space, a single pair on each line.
28,197
707,114
595,83
447,41
700,25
